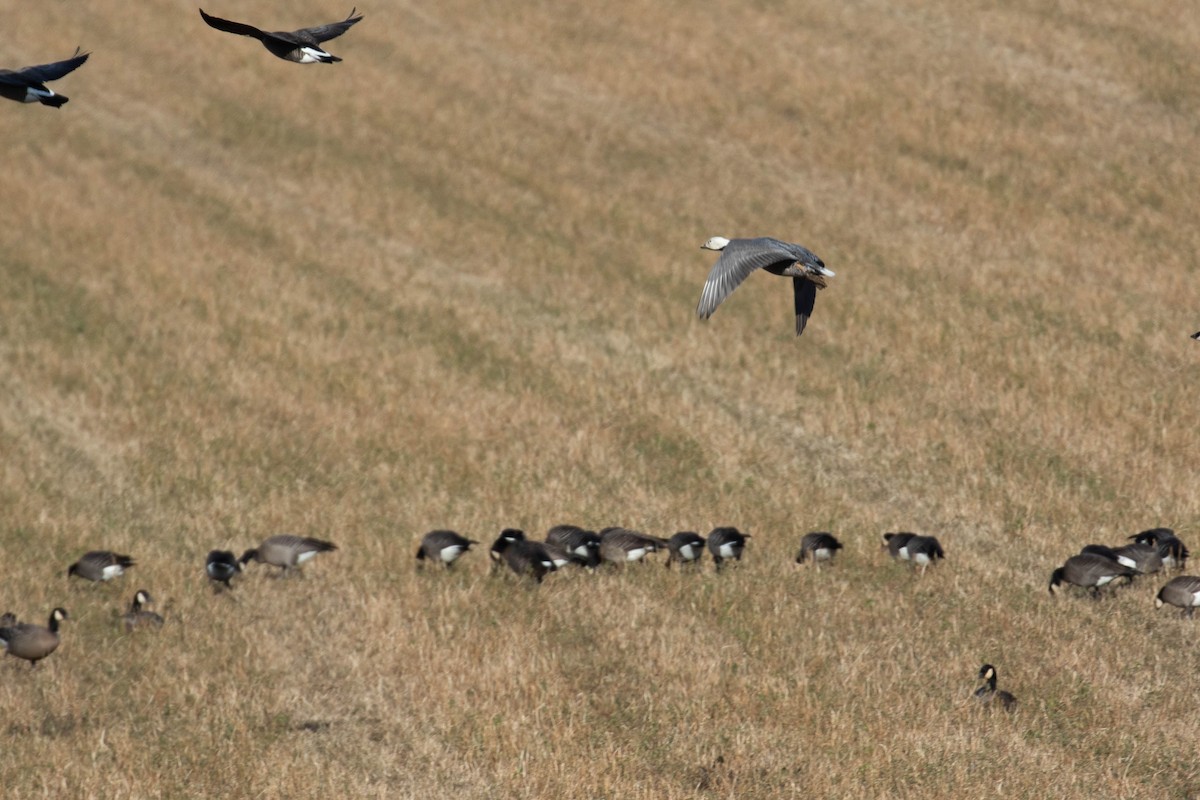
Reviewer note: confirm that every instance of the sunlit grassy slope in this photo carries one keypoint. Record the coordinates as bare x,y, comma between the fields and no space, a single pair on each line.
450,282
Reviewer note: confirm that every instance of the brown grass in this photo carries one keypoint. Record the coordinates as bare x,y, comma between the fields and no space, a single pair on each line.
450,283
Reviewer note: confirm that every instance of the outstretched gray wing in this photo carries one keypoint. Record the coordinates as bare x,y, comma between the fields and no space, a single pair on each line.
739,258
46,72
323,33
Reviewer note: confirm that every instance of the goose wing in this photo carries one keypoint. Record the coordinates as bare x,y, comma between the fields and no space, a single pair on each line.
323,33
229,26
738,260
805,292
43,72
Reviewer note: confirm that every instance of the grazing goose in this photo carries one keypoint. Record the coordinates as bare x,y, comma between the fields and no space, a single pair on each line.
621,545
1089,571
726,542
740,257
686,547
221,566
987,694
896,543
819,546
287,551
580,541
33,642
302,46
1182,592
1109,553
562,557
1145,557
1170,548
521,555
139,617
923,551
100,565
28,84
443,546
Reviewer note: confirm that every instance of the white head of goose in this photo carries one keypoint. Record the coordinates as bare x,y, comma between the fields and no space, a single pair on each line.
100,565
302,46
33,642
287,551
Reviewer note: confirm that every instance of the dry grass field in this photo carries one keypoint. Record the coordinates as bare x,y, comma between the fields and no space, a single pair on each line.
450,282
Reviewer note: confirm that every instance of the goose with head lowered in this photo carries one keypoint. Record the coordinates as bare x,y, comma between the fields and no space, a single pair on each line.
818,546
1182,592
724,543
524,557
686,547
221,566
100,565
443,546
622,545
742,257
302,46
286,551
1089,571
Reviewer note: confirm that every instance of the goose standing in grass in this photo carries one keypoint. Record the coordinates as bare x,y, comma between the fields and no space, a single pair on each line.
100,565
221,566
686,547
443,546
988,694
726,543
818,546
621,545
1089,571
580,541
286,551
302,46
740,257
33,642
521,555
1182,592
1171,549
28,84
138,616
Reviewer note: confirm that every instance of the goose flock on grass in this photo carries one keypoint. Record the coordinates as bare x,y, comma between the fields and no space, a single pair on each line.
1094,568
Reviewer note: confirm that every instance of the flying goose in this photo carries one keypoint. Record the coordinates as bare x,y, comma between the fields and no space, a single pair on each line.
286,551
726,542
100,565
987,694
686,547
740,257
521,555
33,642
139,617
1089,571
1170,548
28,84
819,546
443,546
621,545
302,46
221,566
1182,592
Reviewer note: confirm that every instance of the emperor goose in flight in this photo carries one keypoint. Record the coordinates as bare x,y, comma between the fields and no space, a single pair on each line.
28,84
302,46
740,257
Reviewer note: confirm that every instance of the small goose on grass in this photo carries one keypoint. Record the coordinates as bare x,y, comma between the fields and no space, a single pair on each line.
443,546
221,566
818,546
1182,592
686,547
301,46
1171,549
726,543
741,257
286,551
580,541
28,84
988,694
521,555
1089,571
137,616
622,545
33,642
100,565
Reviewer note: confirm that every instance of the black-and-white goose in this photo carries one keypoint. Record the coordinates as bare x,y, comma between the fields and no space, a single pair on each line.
100,565
622,545
577,540
741,257
1171,549
28,84
301,46
1089,571
685,547
725,543
818,546
1182,592
989,694
138,616
286,551
522,556
221,566
443,546
33,642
